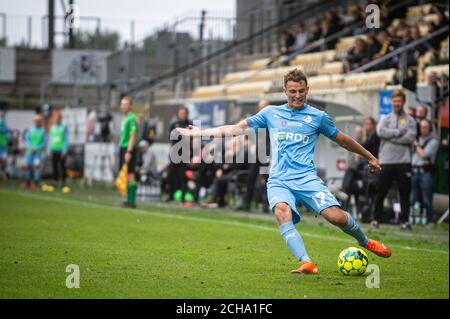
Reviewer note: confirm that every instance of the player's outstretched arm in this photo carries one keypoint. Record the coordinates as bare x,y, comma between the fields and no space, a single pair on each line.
351,145
221,131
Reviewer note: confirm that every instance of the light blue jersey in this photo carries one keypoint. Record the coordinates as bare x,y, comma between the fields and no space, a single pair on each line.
293,175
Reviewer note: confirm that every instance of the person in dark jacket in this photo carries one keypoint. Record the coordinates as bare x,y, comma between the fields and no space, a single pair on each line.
177,171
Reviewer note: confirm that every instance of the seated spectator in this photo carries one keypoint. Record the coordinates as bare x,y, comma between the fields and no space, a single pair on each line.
373,46
334,20
357,55
148,168
325,32
424,156
301,37
442,22
353,16
435,42
315,32
387,45
288,42
420,49
288,45
224,171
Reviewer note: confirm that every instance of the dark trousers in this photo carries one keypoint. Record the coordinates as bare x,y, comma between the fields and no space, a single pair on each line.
401,173
59,166
221,189
177,178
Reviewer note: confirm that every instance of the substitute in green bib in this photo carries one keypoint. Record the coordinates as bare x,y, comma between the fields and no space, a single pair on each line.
57,148
127,146
35,138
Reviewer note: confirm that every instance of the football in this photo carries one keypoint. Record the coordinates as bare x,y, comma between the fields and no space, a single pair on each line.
353,261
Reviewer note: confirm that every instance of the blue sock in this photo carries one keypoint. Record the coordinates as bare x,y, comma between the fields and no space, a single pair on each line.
294,241
353,230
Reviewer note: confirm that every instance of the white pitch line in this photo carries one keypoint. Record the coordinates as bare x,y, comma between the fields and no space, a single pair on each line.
216,221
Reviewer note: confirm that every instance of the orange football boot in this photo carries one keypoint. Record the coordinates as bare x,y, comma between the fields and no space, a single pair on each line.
378,248
307,268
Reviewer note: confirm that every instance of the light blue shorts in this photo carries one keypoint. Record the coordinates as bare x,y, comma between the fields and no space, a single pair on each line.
310,191
33,159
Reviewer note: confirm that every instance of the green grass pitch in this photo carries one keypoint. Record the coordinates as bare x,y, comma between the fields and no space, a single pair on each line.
169,252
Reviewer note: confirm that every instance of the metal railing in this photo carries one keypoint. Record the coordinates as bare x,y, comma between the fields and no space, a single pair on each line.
224,55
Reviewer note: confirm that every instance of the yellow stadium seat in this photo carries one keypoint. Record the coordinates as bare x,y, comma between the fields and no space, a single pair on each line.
331,68
259,63
209,91
312,62
249,88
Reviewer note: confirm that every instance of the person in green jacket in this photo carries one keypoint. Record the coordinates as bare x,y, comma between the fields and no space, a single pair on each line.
127,148
35,139
57,147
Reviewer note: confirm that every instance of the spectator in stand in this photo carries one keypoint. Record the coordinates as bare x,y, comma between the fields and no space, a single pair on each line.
356,56
442,22
373,46
405,40
435,42
325,32
316,31
386,46
420,49
397,132
335,21
301,37
288,46
288,42
353,16
424,156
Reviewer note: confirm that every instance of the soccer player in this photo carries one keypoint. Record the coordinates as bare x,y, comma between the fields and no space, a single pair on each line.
57,147
127,145
35,139
294,128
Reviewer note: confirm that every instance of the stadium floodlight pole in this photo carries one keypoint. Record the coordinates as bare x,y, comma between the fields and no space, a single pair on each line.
401,50
51,24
